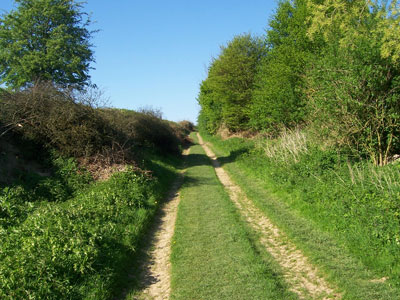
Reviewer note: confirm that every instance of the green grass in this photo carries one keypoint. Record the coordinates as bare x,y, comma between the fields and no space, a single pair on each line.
81,245
339,259
213,254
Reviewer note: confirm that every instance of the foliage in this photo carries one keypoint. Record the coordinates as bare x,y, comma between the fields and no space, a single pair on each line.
225,95
278,99
64,239
347,21
45,40
352,89
391,31
329,64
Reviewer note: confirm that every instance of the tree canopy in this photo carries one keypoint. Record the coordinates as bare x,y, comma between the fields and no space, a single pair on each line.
278,100
45,40
331,65
226,94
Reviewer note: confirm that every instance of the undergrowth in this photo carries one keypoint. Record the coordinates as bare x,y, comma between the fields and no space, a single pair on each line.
66,237
30,190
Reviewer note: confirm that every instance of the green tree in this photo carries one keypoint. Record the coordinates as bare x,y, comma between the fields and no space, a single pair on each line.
45,40
278,99
353,88
225,95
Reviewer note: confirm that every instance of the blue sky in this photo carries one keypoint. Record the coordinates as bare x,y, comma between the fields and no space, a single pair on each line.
155,53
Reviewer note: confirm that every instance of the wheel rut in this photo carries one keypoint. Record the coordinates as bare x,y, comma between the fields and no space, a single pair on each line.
303,278
155,276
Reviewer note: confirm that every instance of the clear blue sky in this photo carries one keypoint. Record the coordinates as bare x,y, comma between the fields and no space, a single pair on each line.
156,52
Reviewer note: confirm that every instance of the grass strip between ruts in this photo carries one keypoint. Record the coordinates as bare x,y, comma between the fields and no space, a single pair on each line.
213,256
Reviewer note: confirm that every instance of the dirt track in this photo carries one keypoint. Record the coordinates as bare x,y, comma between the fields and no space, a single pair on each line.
303,278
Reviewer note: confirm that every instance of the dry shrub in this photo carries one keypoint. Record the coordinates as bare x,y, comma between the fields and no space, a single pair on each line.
182,130
103,139
187,126
53,117
143,130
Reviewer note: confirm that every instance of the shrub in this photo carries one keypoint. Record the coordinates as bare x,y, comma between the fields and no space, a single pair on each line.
54,118
142,130
73,125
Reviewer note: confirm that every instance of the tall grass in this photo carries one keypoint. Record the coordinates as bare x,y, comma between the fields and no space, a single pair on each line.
384,179
287,148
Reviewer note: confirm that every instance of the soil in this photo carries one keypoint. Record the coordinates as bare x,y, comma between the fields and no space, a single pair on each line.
303,278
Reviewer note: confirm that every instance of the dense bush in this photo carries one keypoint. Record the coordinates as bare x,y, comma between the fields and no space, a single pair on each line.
60,119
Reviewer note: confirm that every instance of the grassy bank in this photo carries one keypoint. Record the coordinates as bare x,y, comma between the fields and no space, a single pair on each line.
67,238
64,234
346,225
213,256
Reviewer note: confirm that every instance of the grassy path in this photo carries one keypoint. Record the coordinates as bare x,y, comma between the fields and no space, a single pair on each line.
213,253
226,244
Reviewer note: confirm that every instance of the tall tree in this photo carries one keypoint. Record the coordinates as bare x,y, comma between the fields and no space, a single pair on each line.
278,100
354,87
45,40
225,95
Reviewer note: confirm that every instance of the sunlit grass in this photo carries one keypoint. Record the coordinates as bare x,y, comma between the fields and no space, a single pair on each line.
213,256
